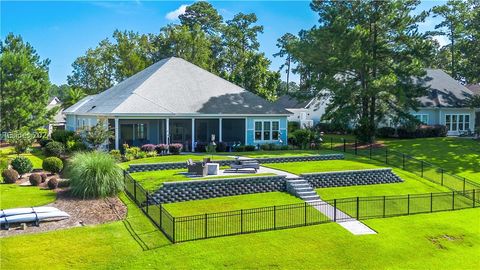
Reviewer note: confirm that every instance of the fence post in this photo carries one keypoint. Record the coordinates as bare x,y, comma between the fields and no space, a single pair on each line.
356,146
431,202
403,161
241,220
344,145
473,198
331,143
206,228
370,151
442,175
135,191
453,200
384,201
386,155
160,215
358,203
408,204
305,213
335,210
274,217
422,167
173,230
147,200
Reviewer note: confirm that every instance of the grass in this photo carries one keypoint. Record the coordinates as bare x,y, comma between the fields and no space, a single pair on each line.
457,155
283,153
13,195
153,180
322,166
230,203
446,240
172,158
35,156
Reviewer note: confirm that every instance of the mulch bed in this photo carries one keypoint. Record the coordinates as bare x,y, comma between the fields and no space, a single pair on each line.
82,213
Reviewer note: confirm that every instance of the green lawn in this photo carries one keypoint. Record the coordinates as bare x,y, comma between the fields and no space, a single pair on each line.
153,180
230,203
324,166
12,195
172,158
35,156
284,153
458,155
446,240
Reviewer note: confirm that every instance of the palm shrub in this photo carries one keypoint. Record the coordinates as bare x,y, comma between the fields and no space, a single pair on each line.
52,164
94,174
22,165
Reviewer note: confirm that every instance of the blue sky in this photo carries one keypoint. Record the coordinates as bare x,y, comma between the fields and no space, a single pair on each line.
62,31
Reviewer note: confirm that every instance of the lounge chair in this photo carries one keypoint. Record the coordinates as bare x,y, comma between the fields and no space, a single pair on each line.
245,164
196,168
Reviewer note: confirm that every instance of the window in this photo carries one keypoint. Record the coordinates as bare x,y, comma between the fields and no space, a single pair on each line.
423,118
258,131
275,130
460,122
267,130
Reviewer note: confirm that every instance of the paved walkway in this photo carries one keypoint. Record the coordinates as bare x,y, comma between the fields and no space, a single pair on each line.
352,225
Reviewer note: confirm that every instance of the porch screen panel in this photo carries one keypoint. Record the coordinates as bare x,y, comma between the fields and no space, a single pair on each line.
204,128
181,132
233,131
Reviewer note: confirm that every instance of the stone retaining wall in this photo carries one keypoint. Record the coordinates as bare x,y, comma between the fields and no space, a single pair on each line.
205,189
183,165
352,178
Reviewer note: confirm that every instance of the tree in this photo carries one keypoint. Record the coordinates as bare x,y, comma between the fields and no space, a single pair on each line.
454,14
203,14
98,135
74,95
61,92
365,56
95,71
24,86
284,43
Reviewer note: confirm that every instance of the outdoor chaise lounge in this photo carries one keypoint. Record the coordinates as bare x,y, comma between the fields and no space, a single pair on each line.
245,164
197,168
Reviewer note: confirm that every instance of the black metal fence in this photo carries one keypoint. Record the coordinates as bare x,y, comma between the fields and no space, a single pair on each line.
406,162
186,228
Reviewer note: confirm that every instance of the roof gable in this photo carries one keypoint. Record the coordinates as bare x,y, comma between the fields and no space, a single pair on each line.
175,86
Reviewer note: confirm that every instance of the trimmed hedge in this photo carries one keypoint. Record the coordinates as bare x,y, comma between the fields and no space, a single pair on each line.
54,149
35,179
9,176
52,164
22,165
52,183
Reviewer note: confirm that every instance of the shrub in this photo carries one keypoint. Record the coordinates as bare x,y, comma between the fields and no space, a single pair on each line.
35,179
3,163
211,148
44,142
148,147
64,183
292,126
98,135
386,132
239,148
75,145
175,148
161,148
22,165
201,147
221,147
44,177
52,183
116,155
132,151
141,154
302,137
9,176
52,164
152,153
62,136
54,149
21,140
249,148
94,174
42,133
269,147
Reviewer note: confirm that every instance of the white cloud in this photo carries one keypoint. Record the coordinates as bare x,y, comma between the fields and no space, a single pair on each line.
442,40
173,15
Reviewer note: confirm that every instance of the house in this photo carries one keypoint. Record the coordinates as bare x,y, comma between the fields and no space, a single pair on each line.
58,121
174,101
475,88
445,104
307,113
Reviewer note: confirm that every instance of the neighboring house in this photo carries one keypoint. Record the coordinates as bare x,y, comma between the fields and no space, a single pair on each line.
58,121
445,104
307,113
174,101
475,88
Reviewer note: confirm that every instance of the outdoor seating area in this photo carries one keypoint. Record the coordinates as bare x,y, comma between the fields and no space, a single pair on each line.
207,167
248,164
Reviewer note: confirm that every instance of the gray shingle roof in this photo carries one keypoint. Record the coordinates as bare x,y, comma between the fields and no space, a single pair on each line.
174,86
290,102
444,90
